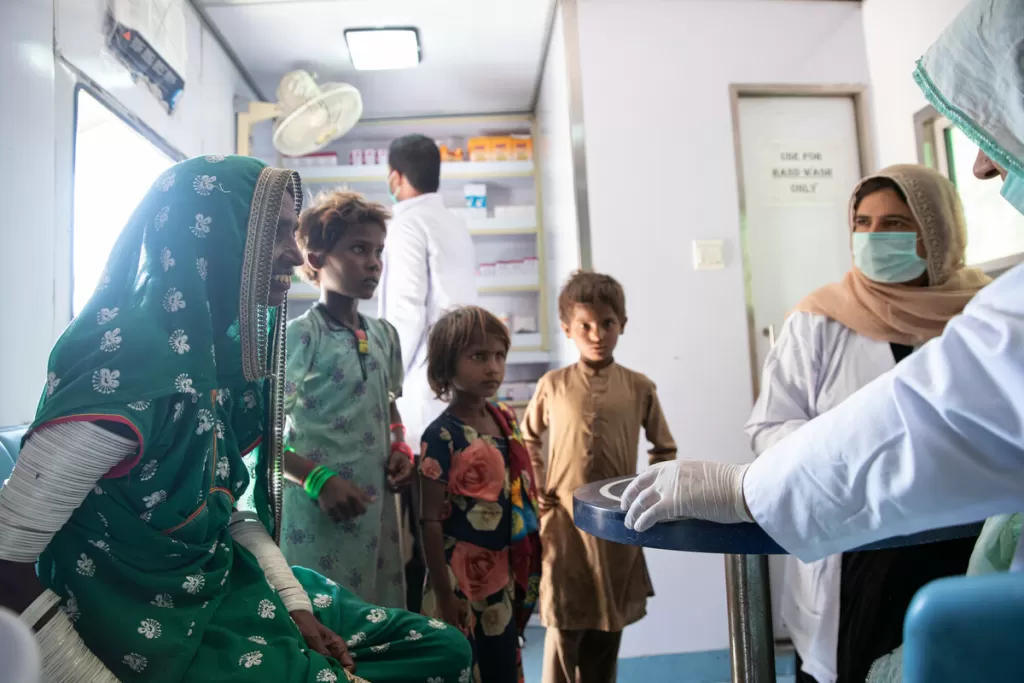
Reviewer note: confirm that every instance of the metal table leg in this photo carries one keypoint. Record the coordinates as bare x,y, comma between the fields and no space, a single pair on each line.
751,643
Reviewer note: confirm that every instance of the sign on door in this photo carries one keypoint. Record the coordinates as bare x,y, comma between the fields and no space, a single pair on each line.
801,172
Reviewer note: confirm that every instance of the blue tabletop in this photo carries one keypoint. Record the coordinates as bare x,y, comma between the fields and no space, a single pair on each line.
596,511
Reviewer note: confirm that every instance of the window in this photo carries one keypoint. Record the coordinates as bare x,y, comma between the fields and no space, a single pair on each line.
995,230
114,168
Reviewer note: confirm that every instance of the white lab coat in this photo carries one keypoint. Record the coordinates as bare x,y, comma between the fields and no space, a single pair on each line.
429,267
938,441
814,366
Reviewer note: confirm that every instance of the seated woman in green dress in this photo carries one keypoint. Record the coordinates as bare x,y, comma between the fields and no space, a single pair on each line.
126,487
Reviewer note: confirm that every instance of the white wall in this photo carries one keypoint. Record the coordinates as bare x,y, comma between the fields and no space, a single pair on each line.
26,186
661,173
203,122
36,138
897,34
557,191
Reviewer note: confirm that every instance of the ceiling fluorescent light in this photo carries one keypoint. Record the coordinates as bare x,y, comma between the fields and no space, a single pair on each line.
378,49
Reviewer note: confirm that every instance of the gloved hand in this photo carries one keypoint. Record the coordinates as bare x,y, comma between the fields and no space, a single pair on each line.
686,488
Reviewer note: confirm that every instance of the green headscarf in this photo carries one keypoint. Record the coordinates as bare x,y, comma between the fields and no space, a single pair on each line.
973,75
181,309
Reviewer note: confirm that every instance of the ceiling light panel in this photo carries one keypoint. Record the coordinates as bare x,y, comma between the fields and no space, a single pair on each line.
383,49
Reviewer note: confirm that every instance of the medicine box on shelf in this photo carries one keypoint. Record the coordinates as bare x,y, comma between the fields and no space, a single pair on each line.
475,195
526,340
505,224
516,392
496,195
517,357
470,214
508,283
452,170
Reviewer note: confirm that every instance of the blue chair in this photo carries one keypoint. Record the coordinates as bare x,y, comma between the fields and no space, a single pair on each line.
10,446
967,628
6,464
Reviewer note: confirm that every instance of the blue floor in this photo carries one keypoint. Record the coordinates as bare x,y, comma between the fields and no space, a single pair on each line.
695,667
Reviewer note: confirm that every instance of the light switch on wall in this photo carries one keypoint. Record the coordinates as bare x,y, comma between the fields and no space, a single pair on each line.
708,254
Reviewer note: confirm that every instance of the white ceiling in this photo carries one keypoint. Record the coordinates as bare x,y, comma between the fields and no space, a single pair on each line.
478,56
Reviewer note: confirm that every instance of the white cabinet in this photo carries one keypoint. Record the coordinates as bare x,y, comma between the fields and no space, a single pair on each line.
508,234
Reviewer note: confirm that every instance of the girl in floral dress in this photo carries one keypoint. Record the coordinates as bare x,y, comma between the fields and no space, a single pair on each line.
347,449
478,512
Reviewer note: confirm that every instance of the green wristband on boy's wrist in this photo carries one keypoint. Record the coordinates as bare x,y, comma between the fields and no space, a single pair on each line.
316,479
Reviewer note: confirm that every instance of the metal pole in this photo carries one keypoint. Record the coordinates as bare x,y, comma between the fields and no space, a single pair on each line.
751,643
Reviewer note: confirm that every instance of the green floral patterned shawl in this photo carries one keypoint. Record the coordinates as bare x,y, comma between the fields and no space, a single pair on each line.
180,311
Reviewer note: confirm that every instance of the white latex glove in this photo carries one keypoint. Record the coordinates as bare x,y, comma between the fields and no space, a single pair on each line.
680,489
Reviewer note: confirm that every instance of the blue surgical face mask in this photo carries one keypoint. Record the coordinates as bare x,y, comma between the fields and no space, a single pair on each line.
1013,190
889,257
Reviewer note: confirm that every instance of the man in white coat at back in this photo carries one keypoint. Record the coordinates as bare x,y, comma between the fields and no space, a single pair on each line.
429,267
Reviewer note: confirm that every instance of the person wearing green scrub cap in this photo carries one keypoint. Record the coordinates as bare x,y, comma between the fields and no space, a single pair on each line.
973,77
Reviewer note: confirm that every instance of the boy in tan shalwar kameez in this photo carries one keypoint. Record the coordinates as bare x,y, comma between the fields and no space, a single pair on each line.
590,589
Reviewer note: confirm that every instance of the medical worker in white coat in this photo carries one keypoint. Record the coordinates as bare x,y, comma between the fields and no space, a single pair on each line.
909,240
429,267
939,440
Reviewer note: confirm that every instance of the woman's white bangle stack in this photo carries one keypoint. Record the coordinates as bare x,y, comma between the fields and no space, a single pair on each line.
249,532
65,657
57,469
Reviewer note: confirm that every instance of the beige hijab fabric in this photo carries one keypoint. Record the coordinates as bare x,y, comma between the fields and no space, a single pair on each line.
904,314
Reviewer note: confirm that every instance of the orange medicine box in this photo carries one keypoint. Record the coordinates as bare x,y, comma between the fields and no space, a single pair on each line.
522,148
501,149
480,149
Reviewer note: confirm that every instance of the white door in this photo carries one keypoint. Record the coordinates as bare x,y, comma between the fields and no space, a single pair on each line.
800,161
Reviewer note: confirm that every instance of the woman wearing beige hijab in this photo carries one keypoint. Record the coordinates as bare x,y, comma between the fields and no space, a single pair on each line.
908,281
